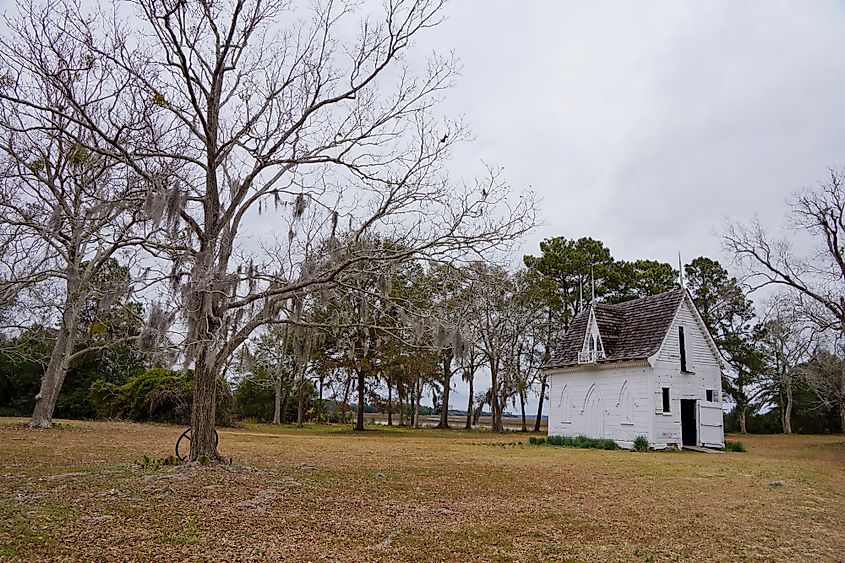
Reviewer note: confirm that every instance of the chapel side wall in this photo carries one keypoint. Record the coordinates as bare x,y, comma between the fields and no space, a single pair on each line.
626,413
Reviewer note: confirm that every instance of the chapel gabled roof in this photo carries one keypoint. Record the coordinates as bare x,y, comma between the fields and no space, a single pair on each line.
633,330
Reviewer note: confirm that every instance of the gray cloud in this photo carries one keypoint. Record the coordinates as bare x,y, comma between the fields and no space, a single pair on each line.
646,124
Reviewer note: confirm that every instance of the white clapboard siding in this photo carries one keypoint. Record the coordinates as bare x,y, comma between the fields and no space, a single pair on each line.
620,420
706,374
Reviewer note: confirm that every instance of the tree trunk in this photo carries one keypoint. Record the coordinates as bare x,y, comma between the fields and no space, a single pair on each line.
359,422
468,425
277,402
54,376
786,413
495,413
400,396
389,403
300,407
320,402
842,416
539,419
417,394
741,412
476,414
522,407
345,408
285,398
411,403
203,413
447,384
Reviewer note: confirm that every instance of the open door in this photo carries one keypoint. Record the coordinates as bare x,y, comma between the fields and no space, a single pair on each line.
689,426
710,424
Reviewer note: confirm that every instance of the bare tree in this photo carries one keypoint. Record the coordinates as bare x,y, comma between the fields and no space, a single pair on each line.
527,332
787,341
270,353
472,361
819,276
500,316
451,295
70,208
825,375
816,277
271,109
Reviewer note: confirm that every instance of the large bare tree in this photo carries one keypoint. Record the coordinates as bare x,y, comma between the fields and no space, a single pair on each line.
307,116
810,262
500,316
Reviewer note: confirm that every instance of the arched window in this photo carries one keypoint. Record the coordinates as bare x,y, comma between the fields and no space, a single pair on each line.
565,406
626,404
593,412
592,393
562,396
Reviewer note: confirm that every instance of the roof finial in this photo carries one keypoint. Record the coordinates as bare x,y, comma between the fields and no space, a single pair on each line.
592,286
681,271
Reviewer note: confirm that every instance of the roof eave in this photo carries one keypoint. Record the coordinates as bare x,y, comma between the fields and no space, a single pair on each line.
599,364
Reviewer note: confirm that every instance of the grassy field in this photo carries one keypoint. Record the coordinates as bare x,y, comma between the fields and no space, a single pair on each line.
323,493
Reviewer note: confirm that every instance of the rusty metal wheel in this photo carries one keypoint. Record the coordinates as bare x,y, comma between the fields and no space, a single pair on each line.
183,444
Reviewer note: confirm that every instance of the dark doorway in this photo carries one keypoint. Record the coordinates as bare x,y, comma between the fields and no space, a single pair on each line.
689,430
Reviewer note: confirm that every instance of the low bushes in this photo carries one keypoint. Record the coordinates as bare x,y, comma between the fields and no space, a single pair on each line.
731,446
158,395
640,444
576,442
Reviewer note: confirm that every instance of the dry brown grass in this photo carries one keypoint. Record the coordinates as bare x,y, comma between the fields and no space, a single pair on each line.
318,494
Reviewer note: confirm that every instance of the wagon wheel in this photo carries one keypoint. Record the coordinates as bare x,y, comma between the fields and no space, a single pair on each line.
183,444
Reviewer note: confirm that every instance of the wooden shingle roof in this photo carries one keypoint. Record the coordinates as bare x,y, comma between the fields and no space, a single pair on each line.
633,330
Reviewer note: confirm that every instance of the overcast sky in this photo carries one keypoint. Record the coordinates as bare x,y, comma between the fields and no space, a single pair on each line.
646,124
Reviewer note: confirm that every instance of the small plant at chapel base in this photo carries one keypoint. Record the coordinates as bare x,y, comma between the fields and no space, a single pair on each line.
640,444
732,446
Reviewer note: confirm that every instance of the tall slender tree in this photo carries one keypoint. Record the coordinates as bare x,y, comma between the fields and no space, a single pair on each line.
65,200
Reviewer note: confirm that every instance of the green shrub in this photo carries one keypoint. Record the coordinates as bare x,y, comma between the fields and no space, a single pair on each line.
577,442
640,444
149,463
157,394
731,446
171,460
